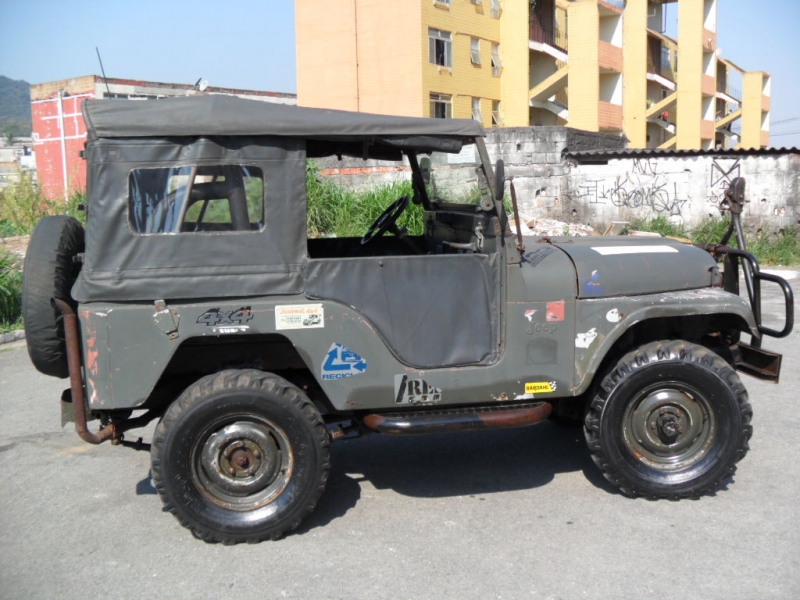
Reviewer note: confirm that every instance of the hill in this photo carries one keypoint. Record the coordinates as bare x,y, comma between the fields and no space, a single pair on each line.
15,107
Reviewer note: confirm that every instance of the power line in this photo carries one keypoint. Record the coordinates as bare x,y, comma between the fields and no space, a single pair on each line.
785,121
784,133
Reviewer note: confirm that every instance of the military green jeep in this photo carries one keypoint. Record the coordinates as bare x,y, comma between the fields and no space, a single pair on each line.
195,296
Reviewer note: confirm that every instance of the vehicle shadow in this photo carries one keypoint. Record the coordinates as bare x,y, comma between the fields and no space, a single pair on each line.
449,465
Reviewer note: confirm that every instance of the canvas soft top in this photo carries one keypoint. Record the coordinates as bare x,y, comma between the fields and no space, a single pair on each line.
128,137
217,115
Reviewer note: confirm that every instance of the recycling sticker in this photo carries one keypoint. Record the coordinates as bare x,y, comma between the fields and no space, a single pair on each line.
341,362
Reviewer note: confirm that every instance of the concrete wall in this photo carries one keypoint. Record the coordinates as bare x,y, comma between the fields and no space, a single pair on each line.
686,190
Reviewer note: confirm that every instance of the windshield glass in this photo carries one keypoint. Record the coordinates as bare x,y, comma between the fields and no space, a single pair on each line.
455,178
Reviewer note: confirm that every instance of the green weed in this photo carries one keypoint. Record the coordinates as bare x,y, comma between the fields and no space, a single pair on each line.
710,230
659,224
10,291
335,211
779,247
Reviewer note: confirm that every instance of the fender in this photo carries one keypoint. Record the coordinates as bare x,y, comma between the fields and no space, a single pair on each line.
600,323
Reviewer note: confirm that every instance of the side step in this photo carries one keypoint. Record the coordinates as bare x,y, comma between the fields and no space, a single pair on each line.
459,419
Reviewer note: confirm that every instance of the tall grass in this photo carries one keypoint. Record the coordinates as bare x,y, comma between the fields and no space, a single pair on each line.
10,292
773,247
335,211
22,206
659,224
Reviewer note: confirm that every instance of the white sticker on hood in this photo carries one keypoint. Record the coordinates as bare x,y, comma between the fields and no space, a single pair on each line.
611,250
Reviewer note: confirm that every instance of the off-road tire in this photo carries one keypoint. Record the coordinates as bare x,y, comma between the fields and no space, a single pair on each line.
670,420
196,441
49,272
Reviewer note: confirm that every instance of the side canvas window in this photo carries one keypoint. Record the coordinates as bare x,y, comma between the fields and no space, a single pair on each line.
196,199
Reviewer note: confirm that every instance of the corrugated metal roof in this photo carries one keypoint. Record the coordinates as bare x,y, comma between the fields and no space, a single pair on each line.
598,155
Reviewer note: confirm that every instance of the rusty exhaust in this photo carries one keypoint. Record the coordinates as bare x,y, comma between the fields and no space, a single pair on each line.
451,420
76,379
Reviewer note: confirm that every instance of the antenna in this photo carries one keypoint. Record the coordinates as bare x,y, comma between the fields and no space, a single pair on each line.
102,70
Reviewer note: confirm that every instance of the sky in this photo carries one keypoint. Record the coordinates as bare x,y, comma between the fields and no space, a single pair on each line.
249,44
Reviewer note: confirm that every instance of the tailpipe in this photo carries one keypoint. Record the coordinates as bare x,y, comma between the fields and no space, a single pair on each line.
72,339
459,419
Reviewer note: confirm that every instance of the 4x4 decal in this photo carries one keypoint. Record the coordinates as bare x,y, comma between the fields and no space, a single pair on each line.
226,321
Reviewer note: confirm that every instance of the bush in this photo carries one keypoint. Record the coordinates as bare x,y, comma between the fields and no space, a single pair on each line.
10,292
22,206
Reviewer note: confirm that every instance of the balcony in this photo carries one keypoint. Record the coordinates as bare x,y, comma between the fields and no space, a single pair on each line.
707,129
609,116
709,86
610,57
549,35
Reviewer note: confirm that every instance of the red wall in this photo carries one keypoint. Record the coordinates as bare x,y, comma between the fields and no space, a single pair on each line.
48,146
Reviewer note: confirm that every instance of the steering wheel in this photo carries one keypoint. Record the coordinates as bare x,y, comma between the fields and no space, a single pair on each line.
386,221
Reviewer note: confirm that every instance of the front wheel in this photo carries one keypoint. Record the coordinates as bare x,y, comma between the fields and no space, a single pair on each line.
240,456
671,420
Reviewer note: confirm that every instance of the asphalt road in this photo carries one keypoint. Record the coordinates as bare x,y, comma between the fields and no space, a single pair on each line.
507,514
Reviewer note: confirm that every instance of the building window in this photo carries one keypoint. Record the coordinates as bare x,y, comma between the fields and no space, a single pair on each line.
441,106
497,8
497,118
476,110
475,50
440,47
665,66
445,2
497,64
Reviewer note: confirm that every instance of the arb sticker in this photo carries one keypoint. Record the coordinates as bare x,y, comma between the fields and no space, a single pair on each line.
342,362
299,316
415,391
540,387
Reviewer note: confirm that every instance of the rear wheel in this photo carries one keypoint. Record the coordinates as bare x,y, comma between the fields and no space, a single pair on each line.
671,420
241,456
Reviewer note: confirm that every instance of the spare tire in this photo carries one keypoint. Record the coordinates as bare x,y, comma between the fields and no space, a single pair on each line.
49,272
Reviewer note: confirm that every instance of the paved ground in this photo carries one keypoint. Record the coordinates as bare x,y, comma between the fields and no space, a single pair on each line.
514,514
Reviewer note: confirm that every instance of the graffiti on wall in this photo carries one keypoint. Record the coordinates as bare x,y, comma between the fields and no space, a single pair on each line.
644,187
723,171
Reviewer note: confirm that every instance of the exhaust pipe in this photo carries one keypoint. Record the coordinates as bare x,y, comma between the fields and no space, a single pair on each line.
76,379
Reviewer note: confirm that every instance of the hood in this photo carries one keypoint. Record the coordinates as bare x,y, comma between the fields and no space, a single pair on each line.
633,265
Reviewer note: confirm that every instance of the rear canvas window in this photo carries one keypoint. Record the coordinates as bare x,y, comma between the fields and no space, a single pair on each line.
196,199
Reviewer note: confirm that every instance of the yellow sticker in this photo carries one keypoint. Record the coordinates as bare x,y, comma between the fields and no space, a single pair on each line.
540,387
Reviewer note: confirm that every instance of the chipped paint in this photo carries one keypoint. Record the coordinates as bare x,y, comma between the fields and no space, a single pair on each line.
614,316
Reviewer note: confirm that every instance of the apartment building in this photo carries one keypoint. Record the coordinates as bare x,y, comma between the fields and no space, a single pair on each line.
599,65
